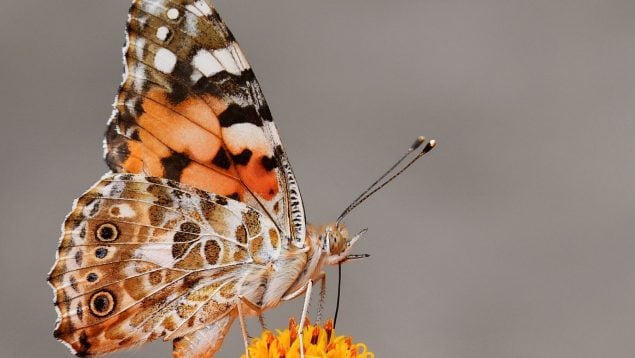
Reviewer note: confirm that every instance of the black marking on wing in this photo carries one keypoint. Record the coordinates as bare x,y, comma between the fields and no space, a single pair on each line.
269,163
265,113
174,165
242,158
180,90
235,114
221,159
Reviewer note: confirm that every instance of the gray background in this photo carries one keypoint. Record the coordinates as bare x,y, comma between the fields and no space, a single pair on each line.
514,238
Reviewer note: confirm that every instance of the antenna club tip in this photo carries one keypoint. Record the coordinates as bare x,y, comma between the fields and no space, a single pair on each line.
433,143
420,139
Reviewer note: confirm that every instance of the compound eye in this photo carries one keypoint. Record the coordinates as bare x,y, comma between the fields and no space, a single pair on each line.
332,242
336,247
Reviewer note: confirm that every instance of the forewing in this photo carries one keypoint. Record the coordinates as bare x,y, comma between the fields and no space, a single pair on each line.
190,109
142,258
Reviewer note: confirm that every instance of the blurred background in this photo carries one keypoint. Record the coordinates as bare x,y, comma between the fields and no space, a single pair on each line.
513,238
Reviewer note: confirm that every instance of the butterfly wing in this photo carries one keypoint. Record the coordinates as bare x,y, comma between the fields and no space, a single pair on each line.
142,258
204,342
190,109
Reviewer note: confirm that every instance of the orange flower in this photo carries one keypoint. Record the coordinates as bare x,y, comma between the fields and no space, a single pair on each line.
319,341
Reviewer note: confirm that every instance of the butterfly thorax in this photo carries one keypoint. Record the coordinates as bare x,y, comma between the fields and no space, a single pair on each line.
327,245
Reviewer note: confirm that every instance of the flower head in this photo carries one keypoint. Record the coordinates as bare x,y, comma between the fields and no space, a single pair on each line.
319,341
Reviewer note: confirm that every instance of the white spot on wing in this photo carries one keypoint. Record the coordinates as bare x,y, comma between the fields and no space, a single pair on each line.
230,59
194,10
206,63
156,253
152,7
203,7
139,46
195,76
75,235
130,105
162,33
191,23
228,62
173,14
164,60
246,133
238,56
130,131
139,77
125,211
142,21
88,208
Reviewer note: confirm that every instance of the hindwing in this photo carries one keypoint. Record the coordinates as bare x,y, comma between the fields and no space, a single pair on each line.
142,258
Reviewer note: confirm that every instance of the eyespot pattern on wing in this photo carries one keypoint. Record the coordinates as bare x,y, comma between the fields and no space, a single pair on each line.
143,257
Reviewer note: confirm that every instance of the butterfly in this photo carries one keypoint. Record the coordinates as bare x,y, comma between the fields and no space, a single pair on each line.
200,220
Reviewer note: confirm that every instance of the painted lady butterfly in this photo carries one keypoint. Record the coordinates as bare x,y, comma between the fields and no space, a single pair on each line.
201,220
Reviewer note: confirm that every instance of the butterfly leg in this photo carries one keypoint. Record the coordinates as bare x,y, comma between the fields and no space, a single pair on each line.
305,308
243,326
322,279
257,309
254,307
261,319
241,315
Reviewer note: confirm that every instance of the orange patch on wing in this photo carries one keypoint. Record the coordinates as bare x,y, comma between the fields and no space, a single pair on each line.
153,144
258,179
202,111
210,180
134,162
189,127
152,152
192,128
142,159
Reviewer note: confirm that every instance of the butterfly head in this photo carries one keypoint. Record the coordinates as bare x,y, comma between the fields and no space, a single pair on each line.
337,244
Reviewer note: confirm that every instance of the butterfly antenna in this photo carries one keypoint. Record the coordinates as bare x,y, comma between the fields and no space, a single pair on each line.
339,291
373,188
